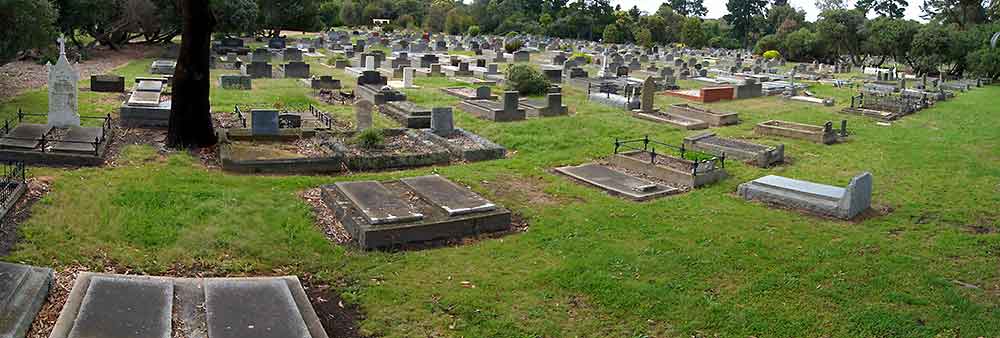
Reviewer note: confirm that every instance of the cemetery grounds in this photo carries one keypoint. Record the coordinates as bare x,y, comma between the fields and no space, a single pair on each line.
583,263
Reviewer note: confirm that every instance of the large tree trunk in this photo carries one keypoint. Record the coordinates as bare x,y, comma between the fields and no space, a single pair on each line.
191,113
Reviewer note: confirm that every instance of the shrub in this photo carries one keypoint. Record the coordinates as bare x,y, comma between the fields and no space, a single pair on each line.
513,46
333,59
474,31
526,80
371,138
772,54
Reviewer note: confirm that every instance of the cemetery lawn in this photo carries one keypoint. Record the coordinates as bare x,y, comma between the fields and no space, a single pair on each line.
704,263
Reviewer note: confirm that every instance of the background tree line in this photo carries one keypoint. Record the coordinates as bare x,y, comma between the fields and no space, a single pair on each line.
872,32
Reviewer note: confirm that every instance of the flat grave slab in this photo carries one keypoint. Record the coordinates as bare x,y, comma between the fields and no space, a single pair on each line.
258,308
149,86
125,307
378,204
815,189
23,290
146,99
25,136
454,199
79,140
437,222
617,182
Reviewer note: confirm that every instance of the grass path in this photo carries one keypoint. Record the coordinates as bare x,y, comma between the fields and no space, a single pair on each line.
702,263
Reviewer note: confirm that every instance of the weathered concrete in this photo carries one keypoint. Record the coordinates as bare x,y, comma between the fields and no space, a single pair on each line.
238,308
616,182
843,203
23,290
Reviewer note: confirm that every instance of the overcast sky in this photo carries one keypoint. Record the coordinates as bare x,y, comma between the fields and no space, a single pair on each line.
717,8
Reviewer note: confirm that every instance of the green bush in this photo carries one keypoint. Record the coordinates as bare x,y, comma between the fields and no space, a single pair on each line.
474,31
513,46
772,54
371,138
526,80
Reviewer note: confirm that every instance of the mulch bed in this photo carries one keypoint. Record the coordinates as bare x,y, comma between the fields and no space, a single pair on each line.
394,145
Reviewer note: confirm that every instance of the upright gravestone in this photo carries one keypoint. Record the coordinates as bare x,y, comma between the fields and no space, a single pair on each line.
648,90
63,79
442,122
408,77
370,62
363,112
264,122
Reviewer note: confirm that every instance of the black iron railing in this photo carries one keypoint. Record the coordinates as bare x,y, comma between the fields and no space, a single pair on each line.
45,140
239,116
700,162
12,174
322,116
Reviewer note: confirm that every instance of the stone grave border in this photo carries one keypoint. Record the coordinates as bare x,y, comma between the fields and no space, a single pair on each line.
758,154
487,150
714,118
824,134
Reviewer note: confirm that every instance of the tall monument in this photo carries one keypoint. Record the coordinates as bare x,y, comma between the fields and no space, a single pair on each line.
63,91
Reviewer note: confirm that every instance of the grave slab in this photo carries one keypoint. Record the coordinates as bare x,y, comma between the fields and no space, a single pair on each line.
125,307
378,204
25,136
145,99
149,86
617,182
79,140
258,308
454,199
23,290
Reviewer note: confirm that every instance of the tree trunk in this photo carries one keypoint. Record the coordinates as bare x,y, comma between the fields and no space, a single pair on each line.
191,112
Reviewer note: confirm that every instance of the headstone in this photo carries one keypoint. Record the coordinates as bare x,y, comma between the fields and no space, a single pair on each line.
363,113
264,122
370,62
297,69
408,77
510,101
239,82
442,122
648,91
483,92
63,79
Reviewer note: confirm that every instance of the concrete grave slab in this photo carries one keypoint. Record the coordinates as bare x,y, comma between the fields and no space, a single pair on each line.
80,140
124,307
149,86
454,199
258,308
25,136
616,182
23,290
378,204
146,99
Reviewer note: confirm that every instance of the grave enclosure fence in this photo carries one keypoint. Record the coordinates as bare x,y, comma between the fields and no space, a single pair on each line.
12,174
697,158
44,140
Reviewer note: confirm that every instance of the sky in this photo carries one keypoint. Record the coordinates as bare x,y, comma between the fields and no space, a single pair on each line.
717,8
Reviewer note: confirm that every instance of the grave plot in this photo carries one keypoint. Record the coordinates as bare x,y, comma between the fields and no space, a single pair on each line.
551,106
617,182
122,306
291,124
757,154
612,93
372,86
679,121
885,107
147,106
407,114
713,118
824,134
412,210
23,290
821,199
478,93
704,95
676,166
463,145
42,144
507,111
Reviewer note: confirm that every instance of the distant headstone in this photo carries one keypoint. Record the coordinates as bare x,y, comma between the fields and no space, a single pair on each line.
648,90
63,91
408,77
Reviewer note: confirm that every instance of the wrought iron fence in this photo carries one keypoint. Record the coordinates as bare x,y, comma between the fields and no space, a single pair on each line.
239,116
44,140
322,116
12,174
700,162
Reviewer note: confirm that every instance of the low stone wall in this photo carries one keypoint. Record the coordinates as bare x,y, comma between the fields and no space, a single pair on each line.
759,155
817,134
713,118
486,151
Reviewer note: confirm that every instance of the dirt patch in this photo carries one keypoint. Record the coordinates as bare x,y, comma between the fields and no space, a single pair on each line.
123,137
529,189
20,76
37,187
984,225
339,318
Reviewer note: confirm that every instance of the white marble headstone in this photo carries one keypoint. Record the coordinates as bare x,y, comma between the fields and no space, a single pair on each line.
370,62
63,91
407,77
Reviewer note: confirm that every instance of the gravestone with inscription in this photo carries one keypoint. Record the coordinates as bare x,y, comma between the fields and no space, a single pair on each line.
63,91
363,113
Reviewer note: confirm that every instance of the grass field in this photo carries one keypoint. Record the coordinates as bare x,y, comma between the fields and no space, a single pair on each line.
705,263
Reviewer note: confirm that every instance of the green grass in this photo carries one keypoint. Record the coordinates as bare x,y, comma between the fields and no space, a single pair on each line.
704,263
